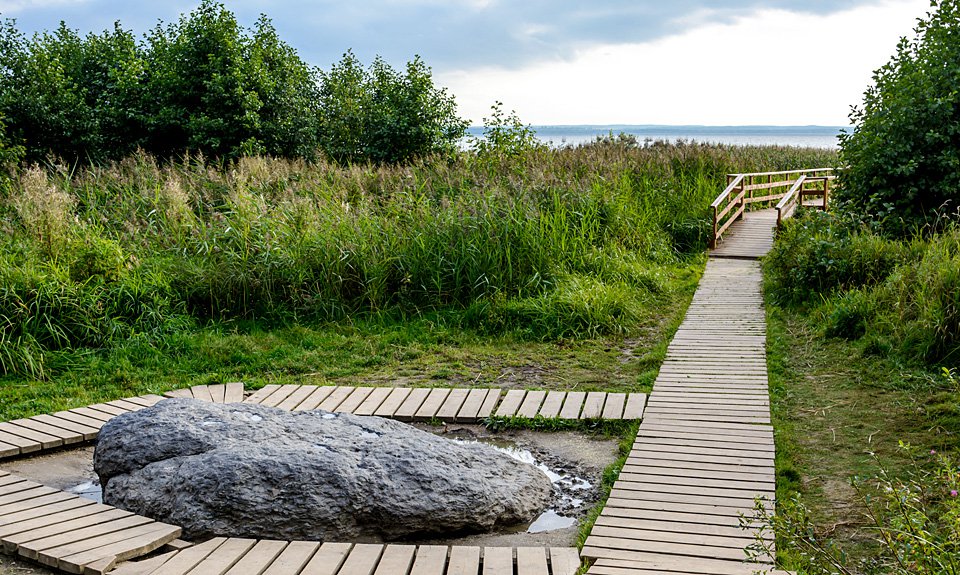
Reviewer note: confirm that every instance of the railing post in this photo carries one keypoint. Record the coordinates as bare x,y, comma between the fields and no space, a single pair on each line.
713,236
743,200
826,194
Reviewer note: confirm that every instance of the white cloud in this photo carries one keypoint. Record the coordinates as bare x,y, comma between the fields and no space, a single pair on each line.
772,67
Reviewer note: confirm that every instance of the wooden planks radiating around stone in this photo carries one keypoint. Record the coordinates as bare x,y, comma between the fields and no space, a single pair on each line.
233,556
71,533
29,435
449,405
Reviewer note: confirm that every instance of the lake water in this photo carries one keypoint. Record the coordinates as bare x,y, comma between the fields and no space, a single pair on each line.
798,136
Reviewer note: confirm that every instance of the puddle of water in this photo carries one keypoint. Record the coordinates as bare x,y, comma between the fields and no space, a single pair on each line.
88,490
549,520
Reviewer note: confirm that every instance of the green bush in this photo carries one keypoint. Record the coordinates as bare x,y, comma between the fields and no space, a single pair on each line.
903,155
384,116
818,254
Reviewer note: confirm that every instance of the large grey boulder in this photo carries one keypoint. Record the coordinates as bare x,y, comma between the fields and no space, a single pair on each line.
253,471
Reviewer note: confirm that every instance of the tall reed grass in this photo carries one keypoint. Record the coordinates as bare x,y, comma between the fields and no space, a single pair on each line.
554,243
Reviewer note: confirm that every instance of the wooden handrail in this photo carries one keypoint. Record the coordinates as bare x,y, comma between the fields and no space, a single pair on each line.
723,195
787,204
727,207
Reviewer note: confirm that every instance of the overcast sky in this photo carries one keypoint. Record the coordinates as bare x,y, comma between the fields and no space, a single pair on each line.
722,62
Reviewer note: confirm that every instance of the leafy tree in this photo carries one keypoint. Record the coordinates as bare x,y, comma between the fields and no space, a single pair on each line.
10,155
385,116
504,134
63,94
903,155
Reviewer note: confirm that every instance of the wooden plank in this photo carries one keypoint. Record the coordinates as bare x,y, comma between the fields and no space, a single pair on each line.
44,440
674,518
613,408
262,393
634,407
85,431
277,397
68,437
511,403
431,560
497,561
531,404
298,396
532,561
218,392
92,414
111,410
373,401
411,404
35,504
22,444
147,400
179,393
471,405
397,560
722,491
328,559
486,410
186,559
201,393
144,567
64,525
564,560
125,404
572,405
393,402
117,546
258,558
452,404
552,404
233,392
45,516
354,401
464,560
431,404
223,557
79,530
317,397
362,560
293,558
79,419
336,397
27,494
593,406
691,549
669,527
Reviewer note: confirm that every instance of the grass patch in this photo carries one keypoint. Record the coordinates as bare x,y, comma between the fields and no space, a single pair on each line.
839,411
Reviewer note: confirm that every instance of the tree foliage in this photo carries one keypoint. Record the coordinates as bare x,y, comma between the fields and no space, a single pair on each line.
903,155
385,116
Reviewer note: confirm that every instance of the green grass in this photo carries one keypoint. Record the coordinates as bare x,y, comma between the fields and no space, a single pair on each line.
838,410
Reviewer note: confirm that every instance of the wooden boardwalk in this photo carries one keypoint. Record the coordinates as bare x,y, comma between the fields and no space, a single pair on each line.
749,238
705,447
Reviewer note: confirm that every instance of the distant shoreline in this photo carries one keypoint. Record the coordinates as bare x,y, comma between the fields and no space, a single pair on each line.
797,136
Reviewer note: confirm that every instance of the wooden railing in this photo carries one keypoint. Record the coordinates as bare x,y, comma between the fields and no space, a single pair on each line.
766,187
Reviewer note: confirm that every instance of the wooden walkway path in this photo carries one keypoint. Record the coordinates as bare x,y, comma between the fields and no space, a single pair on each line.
749,238
705,448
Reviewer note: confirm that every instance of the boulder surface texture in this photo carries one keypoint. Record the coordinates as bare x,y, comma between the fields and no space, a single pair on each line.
244,470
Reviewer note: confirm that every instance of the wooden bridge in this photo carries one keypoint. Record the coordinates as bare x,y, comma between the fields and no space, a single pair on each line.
703,455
